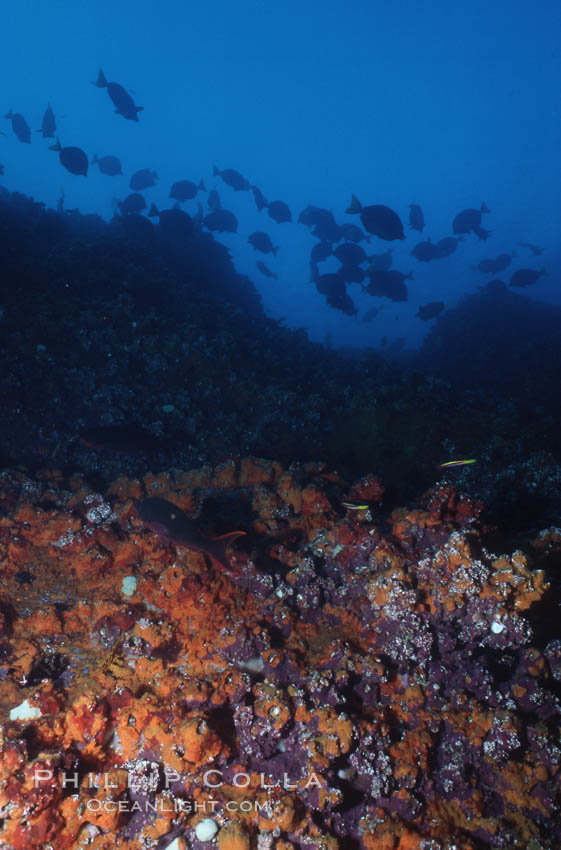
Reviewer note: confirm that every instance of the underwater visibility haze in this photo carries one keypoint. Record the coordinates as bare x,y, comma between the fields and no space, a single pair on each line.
280,486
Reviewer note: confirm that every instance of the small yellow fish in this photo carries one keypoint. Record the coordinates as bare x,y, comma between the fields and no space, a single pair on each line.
451,463
355,506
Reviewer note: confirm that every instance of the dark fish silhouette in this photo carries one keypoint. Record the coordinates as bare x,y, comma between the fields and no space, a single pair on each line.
321,251
446,246
343,302
265,269
526,277
350,254
416,217
110,165
172,525
469,221
279,211
378,219
19,126
325,228
389,284
123,102
262,242
186,190
425,251
223,221
430,311
72,158
232,178
332,283
133,203
312,216
260,201
308,215
213,201
48,125
380,262
352,273
144,178
175,223
493,266
353,233
532,248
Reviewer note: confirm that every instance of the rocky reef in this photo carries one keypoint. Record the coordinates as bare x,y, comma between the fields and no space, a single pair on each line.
101,328
356,680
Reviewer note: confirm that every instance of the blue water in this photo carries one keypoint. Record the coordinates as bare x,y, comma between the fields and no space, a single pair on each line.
445,105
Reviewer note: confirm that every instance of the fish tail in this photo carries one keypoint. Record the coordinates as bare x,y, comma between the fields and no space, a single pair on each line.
56,147
219,548
355,206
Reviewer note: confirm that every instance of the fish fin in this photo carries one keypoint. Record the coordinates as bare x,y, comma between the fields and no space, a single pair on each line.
57,146
355,206
101,82
217,548
484,208
230,537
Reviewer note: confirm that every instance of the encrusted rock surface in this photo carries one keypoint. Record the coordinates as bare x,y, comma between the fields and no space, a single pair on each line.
355,681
